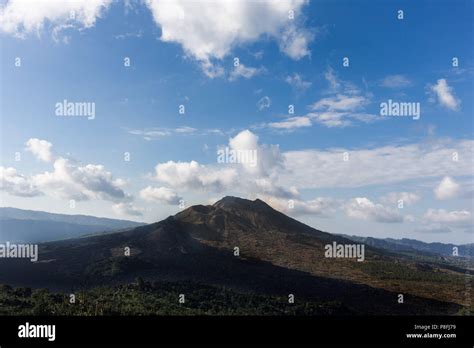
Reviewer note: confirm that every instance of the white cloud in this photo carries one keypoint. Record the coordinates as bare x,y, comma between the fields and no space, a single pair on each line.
266,186
21,17
454,218
297,82
445,95
340,119
345,104
443,221
67,181
264,103
209,30
243,71
280,176
158,132
321,206
332,79
330,119
294,42
396,81
212,70
160,194
40,148
408,198
15,184
363,208
192,175
375,166
126,209
269,158
71,181
340,102
245,177
292,123
447,189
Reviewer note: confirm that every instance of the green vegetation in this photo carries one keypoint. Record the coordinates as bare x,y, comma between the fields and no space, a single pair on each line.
157,298
417,272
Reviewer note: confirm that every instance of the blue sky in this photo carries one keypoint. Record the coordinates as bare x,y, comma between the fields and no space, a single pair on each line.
183,53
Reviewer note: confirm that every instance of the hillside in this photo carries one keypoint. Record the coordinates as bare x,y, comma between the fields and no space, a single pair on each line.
413,245
32,226
277,256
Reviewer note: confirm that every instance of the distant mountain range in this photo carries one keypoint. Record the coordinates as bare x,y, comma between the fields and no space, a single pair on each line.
249,247
18,225
413,245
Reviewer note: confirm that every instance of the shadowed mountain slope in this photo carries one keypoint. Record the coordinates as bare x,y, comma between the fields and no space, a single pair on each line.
277,255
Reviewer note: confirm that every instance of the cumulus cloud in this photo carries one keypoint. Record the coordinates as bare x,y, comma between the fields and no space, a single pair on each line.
67,180
443,221
319,206
208,31
264,103
396,81
265,186
454,218
22,17
268,156
17,185
445,94
241,177
160,194
192,175
408,198
126,209
363,208
282,175
40,148
71,181
446,189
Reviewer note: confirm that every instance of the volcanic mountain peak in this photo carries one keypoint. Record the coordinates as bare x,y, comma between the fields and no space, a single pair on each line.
237,217
237,203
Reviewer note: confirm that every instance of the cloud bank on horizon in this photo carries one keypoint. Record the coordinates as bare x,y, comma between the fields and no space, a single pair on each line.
260,99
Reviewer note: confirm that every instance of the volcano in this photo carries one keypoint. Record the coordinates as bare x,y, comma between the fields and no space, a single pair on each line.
247,246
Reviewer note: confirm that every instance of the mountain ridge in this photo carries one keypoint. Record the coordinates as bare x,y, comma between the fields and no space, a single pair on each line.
22,225
249,246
